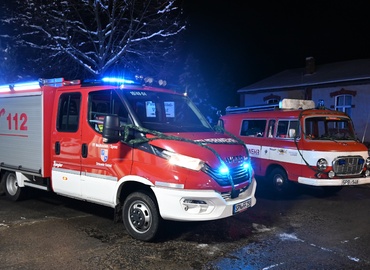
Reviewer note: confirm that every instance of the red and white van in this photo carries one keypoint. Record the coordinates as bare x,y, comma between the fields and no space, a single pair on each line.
146,152
298,143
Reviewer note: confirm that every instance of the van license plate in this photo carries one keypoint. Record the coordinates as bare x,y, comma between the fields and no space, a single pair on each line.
348,182
240,207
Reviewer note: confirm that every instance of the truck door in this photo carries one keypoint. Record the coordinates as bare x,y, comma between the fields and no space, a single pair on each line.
253,132
66,144
102,164
284,150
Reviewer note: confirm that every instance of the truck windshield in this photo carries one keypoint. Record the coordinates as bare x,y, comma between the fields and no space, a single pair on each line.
329,128
166,112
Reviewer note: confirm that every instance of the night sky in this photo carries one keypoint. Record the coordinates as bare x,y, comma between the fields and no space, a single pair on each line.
256,40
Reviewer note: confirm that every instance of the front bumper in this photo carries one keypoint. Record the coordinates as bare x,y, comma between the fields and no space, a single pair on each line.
201,205
334,182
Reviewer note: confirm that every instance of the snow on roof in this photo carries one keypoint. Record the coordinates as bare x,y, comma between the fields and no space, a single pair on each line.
354,71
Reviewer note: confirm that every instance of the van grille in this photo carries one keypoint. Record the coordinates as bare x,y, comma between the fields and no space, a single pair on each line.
349,165
238,175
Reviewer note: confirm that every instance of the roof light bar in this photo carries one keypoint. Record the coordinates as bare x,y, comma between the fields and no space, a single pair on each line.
117,80
20,86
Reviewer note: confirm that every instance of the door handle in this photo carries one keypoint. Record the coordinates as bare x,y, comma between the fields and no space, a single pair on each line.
84,150
57,148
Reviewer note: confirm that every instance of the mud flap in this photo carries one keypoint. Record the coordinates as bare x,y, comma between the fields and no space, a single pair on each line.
118,213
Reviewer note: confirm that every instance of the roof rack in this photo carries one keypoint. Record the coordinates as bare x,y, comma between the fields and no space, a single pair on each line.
286,103
264,107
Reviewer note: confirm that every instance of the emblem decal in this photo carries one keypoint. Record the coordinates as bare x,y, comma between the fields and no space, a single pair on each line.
104,155
234,159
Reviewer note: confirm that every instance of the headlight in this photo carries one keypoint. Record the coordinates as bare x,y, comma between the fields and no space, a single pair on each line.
368,162
183,161
224,170
322,164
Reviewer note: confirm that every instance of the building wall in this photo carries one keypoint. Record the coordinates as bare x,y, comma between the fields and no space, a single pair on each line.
260,98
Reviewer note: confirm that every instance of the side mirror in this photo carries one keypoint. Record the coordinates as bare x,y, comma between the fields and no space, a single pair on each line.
111,129
292,133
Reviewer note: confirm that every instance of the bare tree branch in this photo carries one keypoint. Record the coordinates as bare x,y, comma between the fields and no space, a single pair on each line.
98,35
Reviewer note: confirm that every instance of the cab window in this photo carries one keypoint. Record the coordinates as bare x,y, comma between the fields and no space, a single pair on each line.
102,103
68,112
287,129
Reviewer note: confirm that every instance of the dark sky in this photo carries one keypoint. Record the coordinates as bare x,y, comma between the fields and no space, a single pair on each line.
256,39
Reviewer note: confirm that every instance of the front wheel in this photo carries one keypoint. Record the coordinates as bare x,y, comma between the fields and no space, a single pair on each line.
280,182
10,187
141,216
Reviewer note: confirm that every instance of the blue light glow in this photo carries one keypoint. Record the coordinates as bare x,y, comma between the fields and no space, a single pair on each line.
224,170
117,80
246,165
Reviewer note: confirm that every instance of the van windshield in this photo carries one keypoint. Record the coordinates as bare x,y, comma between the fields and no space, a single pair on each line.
329,128
166,112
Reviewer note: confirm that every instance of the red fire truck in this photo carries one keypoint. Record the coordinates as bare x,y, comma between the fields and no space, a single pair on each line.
297,143
145,151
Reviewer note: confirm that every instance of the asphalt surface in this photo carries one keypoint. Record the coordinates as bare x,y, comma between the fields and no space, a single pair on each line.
307,231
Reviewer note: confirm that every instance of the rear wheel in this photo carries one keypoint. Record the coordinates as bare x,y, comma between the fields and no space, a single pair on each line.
141,216
10,187
279,181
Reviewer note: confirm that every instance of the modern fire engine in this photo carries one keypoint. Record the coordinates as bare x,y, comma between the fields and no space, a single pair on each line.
297,143
145,151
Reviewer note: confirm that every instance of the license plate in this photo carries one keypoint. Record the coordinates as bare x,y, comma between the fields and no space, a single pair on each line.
348,182
240,207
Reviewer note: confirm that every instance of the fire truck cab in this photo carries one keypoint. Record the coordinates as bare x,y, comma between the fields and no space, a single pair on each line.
297,143
145,151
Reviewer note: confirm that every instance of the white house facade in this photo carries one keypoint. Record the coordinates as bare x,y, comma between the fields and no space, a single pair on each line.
343,86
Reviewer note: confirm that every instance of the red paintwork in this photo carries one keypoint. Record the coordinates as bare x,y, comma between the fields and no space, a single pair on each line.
124,159
232,123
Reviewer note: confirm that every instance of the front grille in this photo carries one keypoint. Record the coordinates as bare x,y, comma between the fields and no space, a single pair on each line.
228,195
238,175
348,165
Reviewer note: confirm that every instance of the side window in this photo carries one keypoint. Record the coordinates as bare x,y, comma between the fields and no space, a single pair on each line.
253,128
271,128
287,129
68,112
102,103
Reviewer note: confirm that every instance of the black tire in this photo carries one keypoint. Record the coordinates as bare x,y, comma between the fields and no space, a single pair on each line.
279,182
140,216
2,191
10,186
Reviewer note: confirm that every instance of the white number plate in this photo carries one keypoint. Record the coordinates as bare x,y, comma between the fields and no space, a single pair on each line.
348,182
240,207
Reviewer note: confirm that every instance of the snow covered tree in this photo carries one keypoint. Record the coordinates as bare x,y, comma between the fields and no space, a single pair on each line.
93,37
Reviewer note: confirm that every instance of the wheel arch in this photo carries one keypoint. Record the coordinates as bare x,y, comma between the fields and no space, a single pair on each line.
127,187
272,167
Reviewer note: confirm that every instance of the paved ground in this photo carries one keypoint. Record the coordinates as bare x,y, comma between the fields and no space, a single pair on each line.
309,231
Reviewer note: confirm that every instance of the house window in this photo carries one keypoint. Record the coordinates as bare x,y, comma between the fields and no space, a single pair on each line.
272,99
343,103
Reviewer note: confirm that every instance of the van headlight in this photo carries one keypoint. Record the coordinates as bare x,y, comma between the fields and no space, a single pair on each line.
183,161
322,164
368,162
